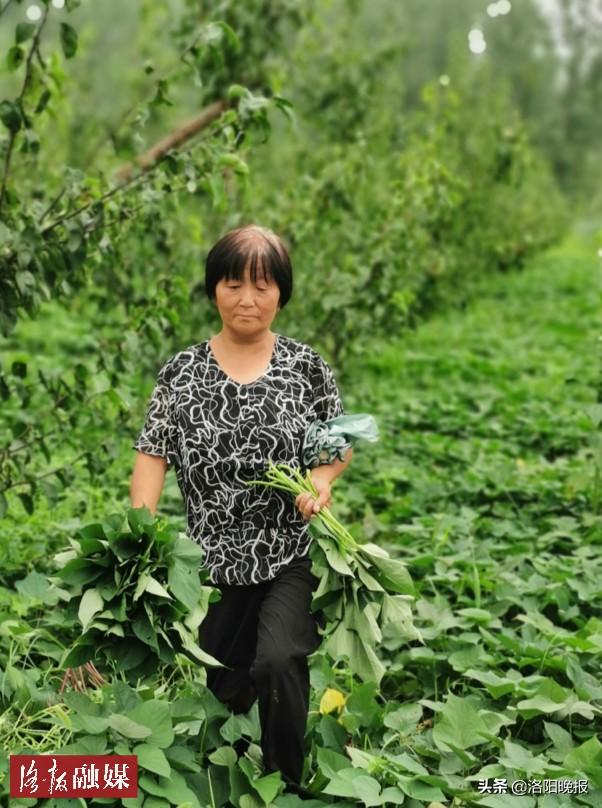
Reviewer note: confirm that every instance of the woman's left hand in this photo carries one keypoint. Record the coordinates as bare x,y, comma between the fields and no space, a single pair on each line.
309,505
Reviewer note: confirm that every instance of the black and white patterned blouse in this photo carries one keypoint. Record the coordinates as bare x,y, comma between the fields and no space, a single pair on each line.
218,434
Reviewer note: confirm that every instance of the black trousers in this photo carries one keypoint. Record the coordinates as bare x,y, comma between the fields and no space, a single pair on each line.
264,633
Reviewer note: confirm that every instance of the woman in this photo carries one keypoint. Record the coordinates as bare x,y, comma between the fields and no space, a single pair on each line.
220,410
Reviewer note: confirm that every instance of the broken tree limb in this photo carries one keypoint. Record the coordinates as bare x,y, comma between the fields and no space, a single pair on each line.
180,135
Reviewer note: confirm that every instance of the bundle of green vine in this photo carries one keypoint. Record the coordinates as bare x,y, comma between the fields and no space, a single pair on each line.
362,588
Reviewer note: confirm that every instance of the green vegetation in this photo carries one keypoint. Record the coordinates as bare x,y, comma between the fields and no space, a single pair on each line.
426,195
486,484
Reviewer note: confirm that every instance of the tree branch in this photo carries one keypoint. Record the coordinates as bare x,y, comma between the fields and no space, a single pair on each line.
47,474
3,9
13,133
173,140
132,180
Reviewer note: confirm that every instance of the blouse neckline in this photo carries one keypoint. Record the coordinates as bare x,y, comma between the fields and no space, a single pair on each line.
211,357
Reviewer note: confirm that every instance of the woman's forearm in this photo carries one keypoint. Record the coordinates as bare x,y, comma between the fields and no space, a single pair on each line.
147,481
328,472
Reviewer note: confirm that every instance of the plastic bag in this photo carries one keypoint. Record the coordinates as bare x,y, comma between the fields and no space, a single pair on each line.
327,440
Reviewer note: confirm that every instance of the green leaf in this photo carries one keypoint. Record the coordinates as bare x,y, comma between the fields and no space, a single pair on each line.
159,802
416,787
27,501
330,762
188,551
363,660
561,739
45,97
86,745
188,644
497,685
37,587
15,57
30,145
140,585
285,107
396,796
225,31
152,759
182,757
237,725
223,756
403,719
333,734
248,800
140,519
357,784
174,788
155,716
10,115
362,702
155,588
364,622
90,604
368,581
145,632
587,758
23,32
184,583
78,571
129,653
79,655
516,756
233,161
68,40
161,97
459,725
550,697
268,786
393,573
93,725
236,91
334,557
125,726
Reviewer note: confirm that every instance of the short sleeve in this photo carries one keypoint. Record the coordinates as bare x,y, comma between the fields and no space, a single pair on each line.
159,433
327,399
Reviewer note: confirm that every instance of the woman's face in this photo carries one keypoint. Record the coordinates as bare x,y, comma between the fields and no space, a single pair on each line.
246,307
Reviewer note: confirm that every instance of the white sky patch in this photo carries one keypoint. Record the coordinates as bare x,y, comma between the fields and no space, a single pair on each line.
499,9
33,13
476,41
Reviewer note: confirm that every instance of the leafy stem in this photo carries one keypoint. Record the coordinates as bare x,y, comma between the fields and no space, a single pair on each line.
26,79
289,479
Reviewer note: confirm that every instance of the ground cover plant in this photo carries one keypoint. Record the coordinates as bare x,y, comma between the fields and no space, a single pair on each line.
362,588
110,199
489,493
401,170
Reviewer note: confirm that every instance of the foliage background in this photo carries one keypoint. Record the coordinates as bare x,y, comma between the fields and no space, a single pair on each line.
405,173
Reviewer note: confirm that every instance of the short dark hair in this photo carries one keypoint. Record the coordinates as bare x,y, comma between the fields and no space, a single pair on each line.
257,245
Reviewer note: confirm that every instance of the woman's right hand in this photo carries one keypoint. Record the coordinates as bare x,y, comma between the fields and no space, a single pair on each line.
309,505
